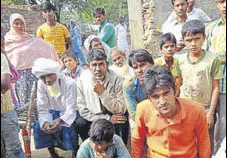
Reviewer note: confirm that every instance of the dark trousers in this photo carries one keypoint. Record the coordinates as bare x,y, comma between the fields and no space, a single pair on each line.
83,126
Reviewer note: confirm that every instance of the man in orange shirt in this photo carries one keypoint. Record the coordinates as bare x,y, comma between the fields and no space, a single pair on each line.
173,127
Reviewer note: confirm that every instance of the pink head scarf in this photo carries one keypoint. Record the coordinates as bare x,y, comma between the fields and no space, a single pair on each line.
12,34
22,50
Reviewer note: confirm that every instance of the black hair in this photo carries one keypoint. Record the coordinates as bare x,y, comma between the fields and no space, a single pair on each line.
47,6
99,11
96,54
156,77
94,39
140,55
101,131
167,37
193,27
172,1
68,54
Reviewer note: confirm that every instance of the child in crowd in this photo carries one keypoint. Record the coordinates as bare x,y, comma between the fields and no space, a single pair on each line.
200,72
71,68
167,46
102,142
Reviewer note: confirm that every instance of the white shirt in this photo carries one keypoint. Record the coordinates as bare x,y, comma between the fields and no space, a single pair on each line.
65,102
174,27
88,100
195,14
122,41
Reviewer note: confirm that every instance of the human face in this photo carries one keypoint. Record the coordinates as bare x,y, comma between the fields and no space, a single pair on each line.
96,44
19,26
140,68
194,43
221,5
191,3
100,147
180,7
70,63
98,68
168,49
118,59
164,101
99,18
48,14
49,79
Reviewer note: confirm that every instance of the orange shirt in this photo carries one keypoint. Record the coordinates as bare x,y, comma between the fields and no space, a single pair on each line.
174,138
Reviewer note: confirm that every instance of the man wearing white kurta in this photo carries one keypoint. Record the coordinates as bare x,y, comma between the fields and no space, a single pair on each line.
55,92
121,31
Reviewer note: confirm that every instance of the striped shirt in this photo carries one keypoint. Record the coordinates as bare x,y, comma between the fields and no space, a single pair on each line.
216,43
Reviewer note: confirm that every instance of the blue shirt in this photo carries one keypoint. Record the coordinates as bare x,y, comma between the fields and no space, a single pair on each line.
133,94
116,149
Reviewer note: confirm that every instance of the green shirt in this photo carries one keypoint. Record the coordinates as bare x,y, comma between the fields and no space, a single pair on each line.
107,34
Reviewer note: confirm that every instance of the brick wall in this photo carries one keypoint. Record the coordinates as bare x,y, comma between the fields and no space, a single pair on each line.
31,14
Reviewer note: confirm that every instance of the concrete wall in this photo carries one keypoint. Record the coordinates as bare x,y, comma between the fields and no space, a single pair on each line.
155,12
31,14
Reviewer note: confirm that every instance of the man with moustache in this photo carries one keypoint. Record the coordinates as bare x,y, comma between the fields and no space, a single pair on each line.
100,96
173,127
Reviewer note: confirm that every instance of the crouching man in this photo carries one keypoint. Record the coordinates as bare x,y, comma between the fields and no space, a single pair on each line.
173,127
57,108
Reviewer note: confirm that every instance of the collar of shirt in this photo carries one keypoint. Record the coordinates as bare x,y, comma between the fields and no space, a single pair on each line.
165,64
175,21
220,21
103,23
136,84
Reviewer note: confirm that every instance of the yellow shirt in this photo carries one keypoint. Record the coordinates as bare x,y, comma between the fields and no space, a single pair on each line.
173,68
6,100
55,36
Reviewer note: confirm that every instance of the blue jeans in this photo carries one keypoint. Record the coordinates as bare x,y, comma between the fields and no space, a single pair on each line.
9,135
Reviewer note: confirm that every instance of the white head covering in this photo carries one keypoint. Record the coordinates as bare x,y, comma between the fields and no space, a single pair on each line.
15,16
88,40
44,66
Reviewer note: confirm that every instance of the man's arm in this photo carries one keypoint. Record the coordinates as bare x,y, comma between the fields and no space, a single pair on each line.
83,110
70,103
112,97
202,134
138,134
213,103
107,33
130,100
43,104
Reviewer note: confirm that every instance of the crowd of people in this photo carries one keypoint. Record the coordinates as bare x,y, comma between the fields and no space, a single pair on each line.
120,103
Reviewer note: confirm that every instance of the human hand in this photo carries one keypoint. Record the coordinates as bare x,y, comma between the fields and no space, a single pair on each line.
98,87
118,118
210,119
101,155
56,123
48,128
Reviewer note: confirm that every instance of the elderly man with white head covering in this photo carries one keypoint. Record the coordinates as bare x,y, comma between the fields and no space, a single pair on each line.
93,42
56,106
